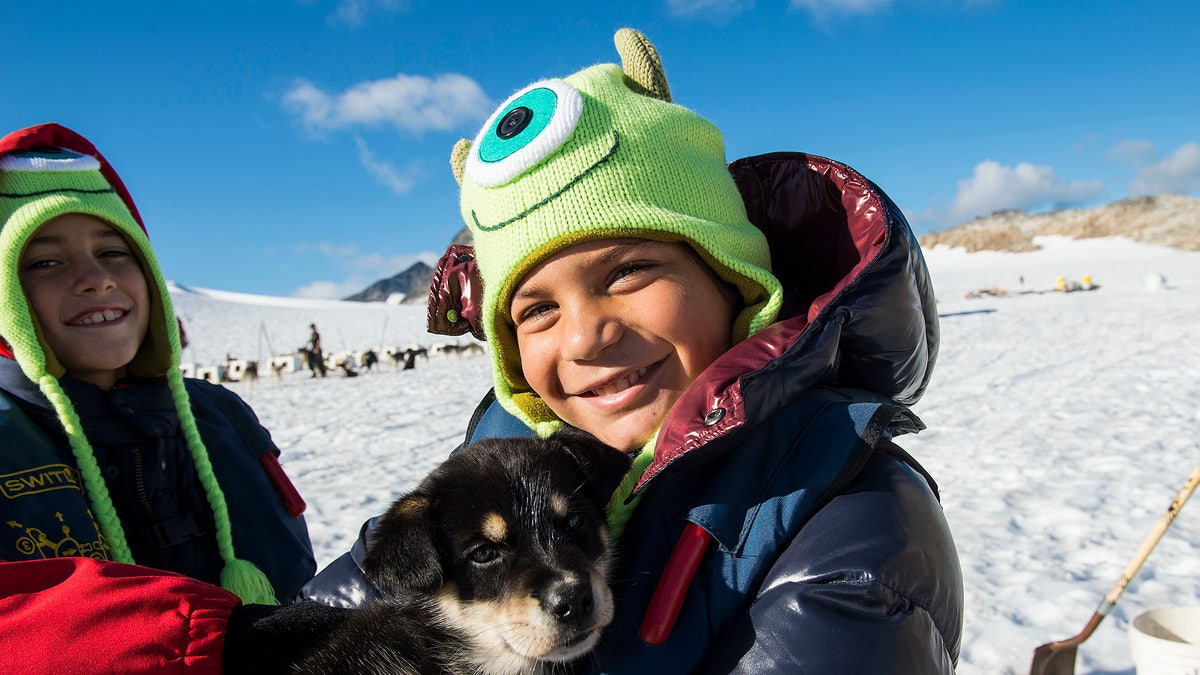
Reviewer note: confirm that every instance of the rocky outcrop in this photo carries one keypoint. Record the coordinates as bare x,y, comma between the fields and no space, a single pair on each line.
1166,220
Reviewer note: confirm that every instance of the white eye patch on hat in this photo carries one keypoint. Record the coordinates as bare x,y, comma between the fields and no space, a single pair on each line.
524,130
48,160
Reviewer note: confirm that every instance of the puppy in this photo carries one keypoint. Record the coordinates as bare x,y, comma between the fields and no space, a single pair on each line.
496,564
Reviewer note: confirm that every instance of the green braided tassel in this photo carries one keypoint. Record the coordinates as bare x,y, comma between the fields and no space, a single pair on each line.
239,576
248,582
96,490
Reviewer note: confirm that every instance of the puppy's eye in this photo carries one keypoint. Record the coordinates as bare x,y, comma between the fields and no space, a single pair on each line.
574,522
526,129
484,554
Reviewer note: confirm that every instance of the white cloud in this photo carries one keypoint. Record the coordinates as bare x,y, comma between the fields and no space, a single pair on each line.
1132,151
993,186
354,12
328,250
362,269
823,10
376,267
410,103
386,174
1178,173
328,290
722,8
826,8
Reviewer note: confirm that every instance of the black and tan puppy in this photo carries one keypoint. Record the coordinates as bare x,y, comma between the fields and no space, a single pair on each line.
495,564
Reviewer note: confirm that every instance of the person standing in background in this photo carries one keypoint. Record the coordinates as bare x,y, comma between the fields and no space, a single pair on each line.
316,357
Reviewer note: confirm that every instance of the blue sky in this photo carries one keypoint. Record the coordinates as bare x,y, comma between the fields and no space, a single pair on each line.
300,147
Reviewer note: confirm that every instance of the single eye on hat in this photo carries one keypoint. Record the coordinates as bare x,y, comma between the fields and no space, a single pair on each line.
526,129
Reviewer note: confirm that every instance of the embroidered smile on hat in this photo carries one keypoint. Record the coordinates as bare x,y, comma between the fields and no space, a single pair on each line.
600,154
48,171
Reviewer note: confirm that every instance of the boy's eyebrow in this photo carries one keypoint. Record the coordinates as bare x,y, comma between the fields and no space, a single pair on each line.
42,238
524,291
112,233
622,247
619,249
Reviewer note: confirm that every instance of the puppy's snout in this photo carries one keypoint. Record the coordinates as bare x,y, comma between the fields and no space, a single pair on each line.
569,602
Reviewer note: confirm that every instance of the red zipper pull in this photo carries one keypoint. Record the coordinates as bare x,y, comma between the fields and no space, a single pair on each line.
673,584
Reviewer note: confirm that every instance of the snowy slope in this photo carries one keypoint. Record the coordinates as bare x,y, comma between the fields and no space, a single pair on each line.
1060,427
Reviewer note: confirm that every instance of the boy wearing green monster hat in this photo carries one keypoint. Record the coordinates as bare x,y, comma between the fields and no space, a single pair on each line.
141,509
752,334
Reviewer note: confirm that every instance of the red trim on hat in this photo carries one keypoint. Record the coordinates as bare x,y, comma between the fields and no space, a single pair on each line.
57,136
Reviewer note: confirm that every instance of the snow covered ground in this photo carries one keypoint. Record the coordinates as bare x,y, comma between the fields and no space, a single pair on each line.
1061,425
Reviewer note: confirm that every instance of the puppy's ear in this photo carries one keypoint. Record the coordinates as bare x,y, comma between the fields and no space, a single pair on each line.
402,557
603,464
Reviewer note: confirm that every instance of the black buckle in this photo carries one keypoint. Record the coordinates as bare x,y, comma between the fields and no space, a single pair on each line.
175,531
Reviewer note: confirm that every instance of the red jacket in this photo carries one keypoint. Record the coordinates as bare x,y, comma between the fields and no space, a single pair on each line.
178,622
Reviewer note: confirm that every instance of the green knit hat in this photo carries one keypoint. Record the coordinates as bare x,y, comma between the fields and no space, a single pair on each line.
600,154
39,181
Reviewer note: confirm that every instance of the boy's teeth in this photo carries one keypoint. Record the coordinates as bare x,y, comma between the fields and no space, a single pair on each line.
621,384
101,317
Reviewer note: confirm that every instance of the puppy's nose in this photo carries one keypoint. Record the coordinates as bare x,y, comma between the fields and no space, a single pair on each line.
569,602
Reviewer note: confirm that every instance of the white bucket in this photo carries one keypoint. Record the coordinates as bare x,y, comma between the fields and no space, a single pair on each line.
1166,641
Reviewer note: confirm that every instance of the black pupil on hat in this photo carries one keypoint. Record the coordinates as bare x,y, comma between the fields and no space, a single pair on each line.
514,122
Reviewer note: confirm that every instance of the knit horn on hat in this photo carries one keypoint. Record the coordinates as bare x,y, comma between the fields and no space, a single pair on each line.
600,154
49,171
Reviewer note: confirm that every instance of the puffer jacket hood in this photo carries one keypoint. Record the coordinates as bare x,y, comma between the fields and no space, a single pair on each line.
859,308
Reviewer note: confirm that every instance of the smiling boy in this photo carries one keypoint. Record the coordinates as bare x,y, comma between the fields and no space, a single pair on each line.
151,506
